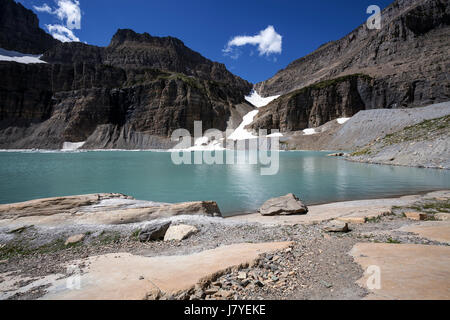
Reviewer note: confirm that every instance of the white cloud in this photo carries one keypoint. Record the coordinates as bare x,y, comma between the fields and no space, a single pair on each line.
44,8
62,33
268,42
68,12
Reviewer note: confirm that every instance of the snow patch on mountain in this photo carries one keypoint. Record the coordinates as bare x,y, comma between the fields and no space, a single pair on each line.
255,99
14,56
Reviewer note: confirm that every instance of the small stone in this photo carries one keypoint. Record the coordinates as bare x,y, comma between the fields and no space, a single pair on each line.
258,283
326,284
182,296
74,239
155,294
242,275
336,226
20,229
224,294
211,291
416,215
245,283
355,220
141,278
442,216
274,278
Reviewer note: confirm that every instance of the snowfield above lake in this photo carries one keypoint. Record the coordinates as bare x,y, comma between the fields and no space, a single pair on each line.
241,133
255,99
14,56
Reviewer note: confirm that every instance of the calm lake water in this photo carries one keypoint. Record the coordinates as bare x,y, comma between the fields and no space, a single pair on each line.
145,175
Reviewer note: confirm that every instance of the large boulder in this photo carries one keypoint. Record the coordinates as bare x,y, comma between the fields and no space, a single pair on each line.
180,232
154,232
285,205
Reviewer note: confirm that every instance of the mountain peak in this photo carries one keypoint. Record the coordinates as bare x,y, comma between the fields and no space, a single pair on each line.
128,35
20,31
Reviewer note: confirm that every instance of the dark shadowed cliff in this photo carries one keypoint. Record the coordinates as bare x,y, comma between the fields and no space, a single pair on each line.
19,30
132,94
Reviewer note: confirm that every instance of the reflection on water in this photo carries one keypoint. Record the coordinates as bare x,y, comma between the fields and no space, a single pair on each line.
312,176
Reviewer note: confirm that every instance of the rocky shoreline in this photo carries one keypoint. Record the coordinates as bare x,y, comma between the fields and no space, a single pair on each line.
254,256
415,137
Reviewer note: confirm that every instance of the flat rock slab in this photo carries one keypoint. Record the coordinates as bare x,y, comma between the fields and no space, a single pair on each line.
126,276
102,208
358,211
55,205
348,212
415,215
408,271
432,230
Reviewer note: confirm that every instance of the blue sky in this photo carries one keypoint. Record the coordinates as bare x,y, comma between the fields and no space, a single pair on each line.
207,26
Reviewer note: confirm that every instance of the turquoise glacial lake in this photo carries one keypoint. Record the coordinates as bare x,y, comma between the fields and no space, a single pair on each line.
147,175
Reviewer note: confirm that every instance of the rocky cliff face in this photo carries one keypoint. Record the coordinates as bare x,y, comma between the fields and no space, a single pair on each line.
129,50
45,105
407,58
19,30
132,94
317,104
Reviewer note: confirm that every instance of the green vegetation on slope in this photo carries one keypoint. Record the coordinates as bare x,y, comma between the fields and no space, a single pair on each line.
331,82
419,132
425,130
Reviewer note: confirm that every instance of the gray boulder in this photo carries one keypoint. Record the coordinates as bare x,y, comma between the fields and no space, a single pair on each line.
154,232
285,205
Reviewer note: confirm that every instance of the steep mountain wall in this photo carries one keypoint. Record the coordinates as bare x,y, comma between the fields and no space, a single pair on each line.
408,57
132,94
315,105
19,30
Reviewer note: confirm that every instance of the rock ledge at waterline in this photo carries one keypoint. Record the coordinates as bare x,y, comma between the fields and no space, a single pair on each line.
104,208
